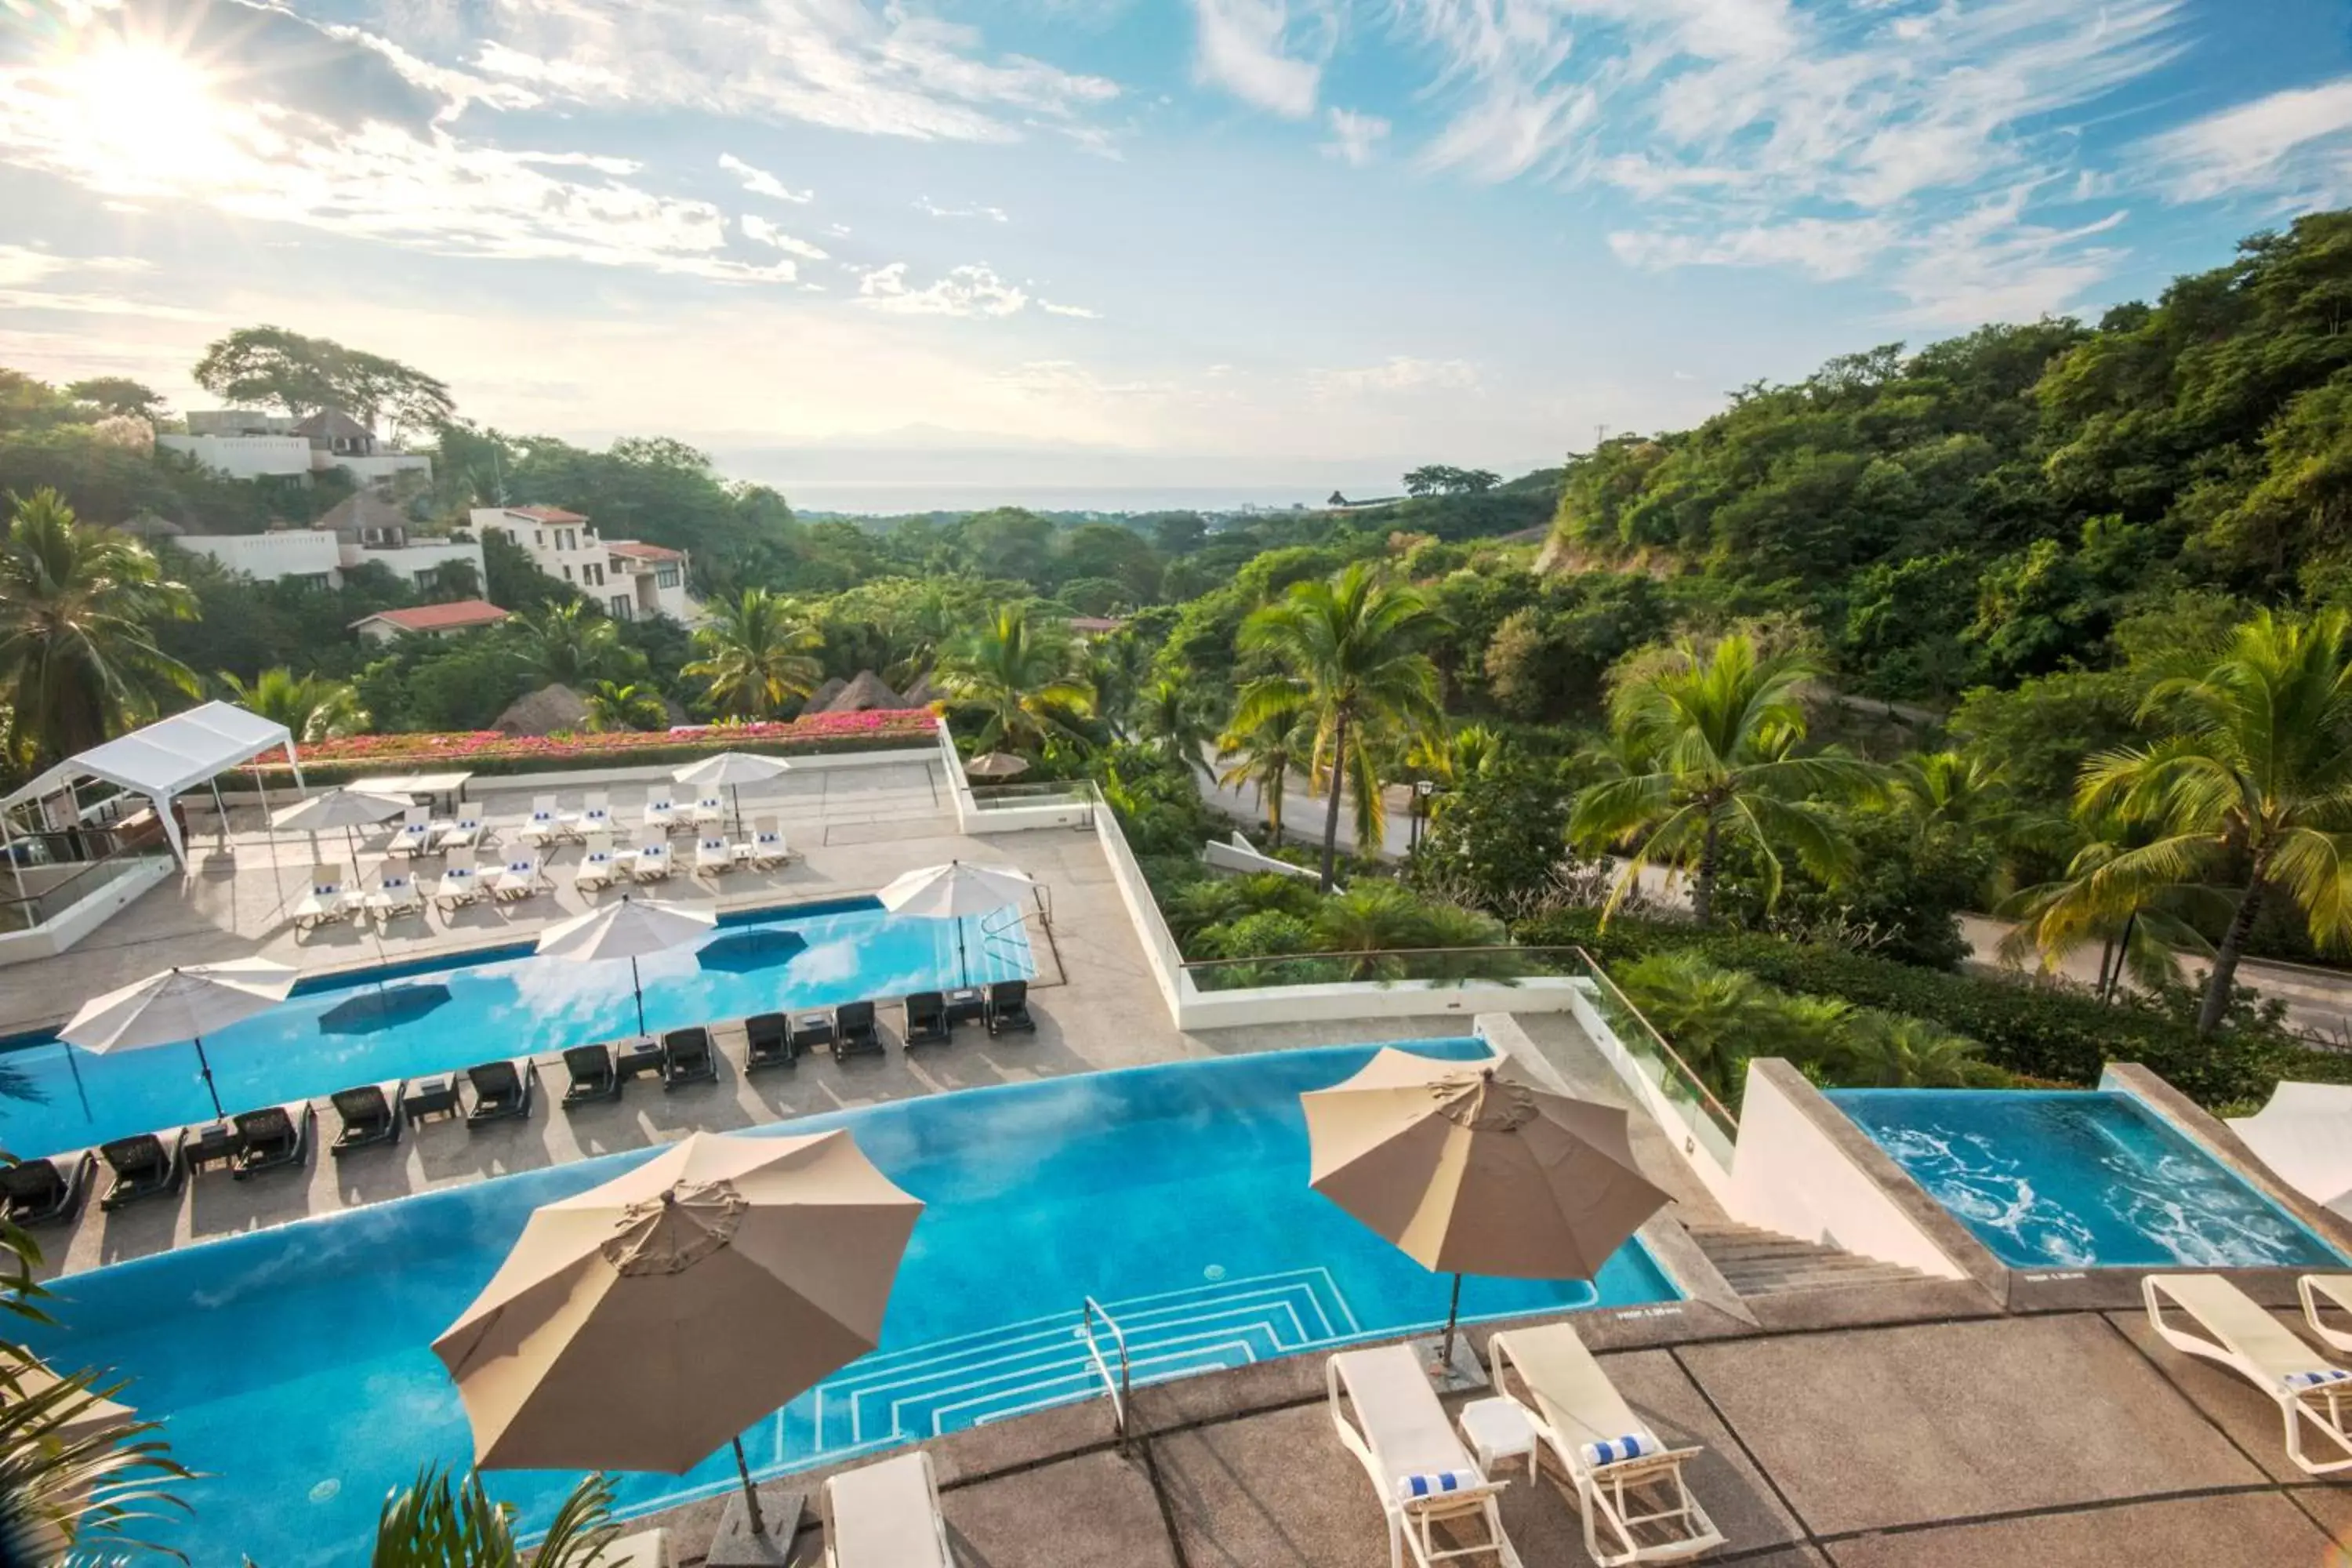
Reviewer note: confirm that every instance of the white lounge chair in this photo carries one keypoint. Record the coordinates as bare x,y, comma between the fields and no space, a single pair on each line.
415,835
1423,1475
886,1516
713,855
2232,1330
766,849
660,813
329,900
395,894
2304,1134
2320,1293
596,815
545,825
709,811
651,862
1625,1477
464,832
597,868
520,878
459,884
646,1549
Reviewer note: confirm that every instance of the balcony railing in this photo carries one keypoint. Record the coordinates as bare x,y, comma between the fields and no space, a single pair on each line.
1704,1117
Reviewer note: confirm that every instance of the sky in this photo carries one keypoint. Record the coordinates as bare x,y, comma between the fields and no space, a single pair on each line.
974,251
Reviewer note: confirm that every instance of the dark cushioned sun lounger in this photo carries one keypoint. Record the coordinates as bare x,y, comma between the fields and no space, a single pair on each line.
368,1115
768,1042
853,1034
594,1080
270,1140
686,1057
44,1192
500,1093
144,1167
1008,1007
926,1017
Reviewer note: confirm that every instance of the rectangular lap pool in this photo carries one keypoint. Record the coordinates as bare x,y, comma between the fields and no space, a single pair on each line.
294,1364
441,1015
2078,1179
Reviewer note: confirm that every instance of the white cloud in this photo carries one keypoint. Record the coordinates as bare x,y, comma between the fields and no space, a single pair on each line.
760,183
1080,311
1397,374
1355,138
754,226
970,291
930,208
1250,48
1827,248
2295,144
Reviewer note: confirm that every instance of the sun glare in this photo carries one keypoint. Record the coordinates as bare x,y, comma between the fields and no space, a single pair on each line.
142,111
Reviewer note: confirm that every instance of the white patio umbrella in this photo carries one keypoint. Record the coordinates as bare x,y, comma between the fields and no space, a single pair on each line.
630,929
954,891
733,769
177,1005
345,808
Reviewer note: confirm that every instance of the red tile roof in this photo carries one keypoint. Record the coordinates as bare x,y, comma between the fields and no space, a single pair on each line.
1095,624
546,514
439,618
637,551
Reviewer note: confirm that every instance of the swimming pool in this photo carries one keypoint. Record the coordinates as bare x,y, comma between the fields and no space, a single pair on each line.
437,1016
294,1364
2078,1179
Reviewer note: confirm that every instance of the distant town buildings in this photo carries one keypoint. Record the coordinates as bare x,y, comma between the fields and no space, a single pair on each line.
429,620
245,445
362,528
632,581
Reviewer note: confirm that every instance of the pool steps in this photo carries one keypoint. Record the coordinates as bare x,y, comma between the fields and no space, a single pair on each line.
1758,1262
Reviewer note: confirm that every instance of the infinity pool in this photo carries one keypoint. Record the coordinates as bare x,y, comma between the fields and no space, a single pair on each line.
294,1364
439,1016
2078,1179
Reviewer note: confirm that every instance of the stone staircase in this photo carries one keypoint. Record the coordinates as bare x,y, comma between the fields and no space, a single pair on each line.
1756,1262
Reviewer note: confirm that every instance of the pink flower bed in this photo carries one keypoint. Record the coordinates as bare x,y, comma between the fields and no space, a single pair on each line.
914,725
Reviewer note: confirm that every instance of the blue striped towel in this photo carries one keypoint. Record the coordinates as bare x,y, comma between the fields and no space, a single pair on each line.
1617,1450
1438,1482
2320,1379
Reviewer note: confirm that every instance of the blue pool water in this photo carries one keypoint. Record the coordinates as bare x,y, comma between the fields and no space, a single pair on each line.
437,1017
2078,1179
294,1364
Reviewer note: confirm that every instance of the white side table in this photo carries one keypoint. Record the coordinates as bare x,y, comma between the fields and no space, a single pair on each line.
1497,1430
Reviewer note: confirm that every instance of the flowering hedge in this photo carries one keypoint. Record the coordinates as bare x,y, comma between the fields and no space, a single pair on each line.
490,752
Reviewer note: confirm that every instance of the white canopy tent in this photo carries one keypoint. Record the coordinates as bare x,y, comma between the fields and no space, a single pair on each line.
164,760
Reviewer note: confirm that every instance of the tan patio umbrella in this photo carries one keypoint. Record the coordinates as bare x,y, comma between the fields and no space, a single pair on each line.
996,765
1469,1172
642,1323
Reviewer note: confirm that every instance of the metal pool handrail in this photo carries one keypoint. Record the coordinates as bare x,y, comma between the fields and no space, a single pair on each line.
1117,1389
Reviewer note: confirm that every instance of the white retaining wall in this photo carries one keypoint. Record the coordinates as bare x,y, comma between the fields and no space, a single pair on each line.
78,920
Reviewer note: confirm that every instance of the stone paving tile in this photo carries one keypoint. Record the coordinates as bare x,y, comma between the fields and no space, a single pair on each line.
1724,1480
1088,1512
2258,1530
1270,1491
2331,1505
2250,1416
1868,1428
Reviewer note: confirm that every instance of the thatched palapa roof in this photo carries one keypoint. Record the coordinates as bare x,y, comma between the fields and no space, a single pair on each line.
863,693
544,712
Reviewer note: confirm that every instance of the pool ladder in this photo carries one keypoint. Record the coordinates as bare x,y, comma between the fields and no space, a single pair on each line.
1117,1387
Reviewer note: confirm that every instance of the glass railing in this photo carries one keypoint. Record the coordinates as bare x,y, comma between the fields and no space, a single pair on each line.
1704,1116
1429,965
1016,796
37,906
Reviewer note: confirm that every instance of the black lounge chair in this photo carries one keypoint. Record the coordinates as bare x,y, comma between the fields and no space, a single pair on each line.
500,1093
594,1080
35,1192
686,1057
811,1030
927,1018
1008,1007
768,1042
369,1117
854,1032
269,1139
144,1167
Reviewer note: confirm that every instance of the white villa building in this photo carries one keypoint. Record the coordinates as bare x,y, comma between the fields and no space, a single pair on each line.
248,446
364,527
633,581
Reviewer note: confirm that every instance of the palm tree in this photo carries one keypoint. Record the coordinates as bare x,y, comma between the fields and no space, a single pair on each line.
1893,1051
1707,751
1950,789
755,654
1263,755
78,655
2252,787
1116,666
925,626
311,706
2140,933
1714,1017
1351,650
446,1522
1024,681
567,645
612,705
1172,717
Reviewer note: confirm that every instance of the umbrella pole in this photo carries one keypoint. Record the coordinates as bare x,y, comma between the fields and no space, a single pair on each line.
1453,1315
751,1492
639,987
963,964
205,1063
